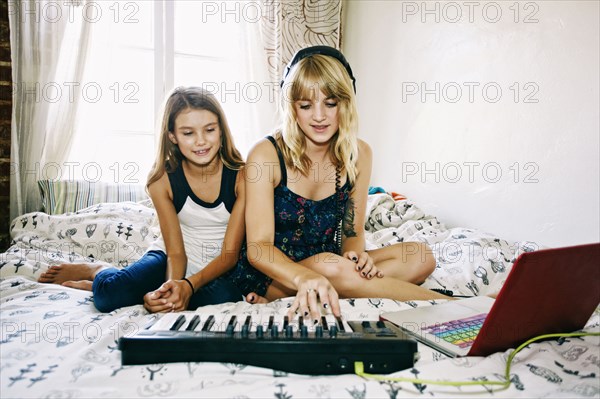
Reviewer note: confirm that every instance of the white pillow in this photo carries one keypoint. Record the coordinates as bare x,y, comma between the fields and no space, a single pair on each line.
63,196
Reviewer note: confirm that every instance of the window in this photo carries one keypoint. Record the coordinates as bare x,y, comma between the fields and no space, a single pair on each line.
140,51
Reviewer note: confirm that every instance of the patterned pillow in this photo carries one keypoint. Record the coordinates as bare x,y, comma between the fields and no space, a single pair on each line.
63,196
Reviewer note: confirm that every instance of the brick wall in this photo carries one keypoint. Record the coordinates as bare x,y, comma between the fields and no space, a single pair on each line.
5,117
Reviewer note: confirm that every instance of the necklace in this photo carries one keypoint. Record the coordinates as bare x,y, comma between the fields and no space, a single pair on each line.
340,212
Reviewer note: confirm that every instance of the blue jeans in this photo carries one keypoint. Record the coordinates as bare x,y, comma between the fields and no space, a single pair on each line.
115,288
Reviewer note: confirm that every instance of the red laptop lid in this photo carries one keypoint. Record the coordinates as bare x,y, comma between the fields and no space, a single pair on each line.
547,291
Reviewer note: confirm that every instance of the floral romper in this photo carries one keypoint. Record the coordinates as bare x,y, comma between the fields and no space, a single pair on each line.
303,228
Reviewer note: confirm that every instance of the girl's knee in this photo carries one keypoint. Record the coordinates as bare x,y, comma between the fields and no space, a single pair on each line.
426,263
107,298
104,303
334,267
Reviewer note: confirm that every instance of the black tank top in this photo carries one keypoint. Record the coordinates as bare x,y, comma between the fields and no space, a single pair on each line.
182,190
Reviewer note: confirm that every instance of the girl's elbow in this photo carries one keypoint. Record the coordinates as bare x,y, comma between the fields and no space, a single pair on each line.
259,253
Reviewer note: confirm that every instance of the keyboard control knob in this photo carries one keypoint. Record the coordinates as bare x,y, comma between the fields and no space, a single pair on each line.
289,331
259,331
274,331
319,331
304,331
333,330
245,331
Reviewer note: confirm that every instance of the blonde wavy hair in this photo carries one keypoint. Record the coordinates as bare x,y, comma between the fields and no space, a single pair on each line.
169,157
327,74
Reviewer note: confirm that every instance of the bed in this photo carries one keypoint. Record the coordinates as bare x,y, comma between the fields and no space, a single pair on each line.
55,344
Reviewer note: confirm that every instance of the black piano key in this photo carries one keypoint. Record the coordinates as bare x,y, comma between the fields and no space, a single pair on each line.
194,323
248,321
208,323
340,324
178,323
286,321
271,319
324,323
231,324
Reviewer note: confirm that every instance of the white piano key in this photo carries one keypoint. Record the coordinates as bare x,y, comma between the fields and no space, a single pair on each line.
347,327
307,321
220,322
255,322
331,321
243,319
165,322
263,320
233,321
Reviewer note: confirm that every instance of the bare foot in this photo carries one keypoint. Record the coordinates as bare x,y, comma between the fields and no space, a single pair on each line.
85,285
255,298
70,272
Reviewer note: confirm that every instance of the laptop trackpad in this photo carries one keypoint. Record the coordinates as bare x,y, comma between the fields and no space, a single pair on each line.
451,310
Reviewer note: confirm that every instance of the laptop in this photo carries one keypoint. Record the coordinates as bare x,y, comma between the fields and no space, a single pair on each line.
547,291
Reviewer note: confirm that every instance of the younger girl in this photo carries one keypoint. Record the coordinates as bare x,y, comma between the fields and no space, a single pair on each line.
309,177
198,193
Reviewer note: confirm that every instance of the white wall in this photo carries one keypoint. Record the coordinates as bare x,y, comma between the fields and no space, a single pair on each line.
519,169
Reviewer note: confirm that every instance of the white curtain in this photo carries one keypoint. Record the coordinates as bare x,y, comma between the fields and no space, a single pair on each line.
290,25
48,48
263,110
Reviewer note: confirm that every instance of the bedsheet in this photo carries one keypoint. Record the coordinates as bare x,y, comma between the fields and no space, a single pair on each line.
54,343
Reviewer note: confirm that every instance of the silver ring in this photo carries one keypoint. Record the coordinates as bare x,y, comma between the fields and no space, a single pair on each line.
308,291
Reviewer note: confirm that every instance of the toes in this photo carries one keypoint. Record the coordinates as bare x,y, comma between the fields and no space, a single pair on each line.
45,278
72,284
260,299
254,298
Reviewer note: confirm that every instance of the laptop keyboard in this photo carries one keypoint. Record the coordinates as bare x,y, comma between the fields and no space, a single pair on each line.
461,332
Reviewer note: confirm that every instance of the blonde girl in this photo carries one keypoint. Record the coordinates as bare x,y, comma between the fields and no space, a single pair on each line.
306,201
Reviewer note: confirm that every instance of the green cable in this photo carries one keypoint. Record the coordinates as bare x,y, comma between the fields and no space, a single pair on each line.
359,367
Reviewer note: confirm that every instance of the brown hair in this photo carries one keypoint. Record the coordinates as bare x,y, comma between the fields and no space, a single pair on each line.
168,157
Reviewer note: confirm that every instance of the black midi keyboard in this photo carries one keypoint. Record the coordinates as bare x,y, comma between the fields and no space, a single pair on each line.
330,346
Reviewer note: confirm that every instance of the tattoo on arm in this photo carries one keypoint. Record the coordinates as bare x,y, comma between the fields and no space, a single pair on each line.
348,222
